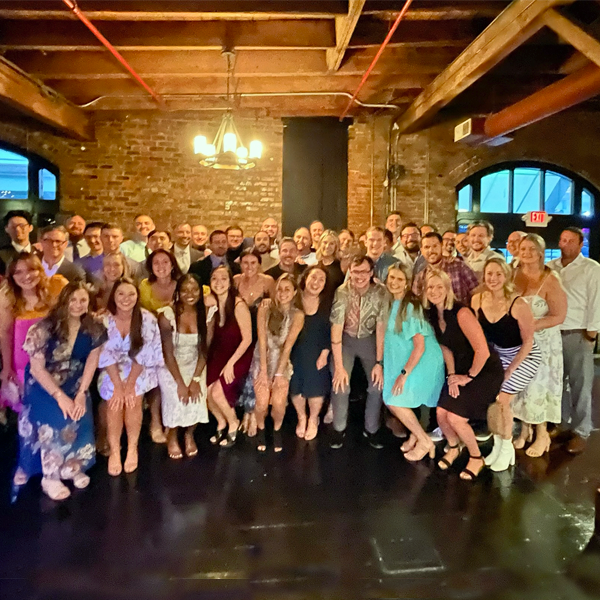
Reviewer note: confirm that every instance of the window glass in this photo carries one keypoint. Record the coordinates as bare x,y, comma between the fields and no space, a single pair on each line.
465,195
47,183
14,182
551,254
494,192
558,196
585,250
587,203
526,190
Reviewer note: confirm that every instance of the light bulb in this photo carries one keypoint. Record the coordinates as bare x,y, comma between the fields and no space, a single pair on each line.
255,149
242,152
229,142
209,150
200,144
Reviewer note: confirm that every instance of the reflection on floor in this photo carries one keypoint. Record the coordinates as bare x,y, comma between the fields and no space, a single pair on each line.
310,523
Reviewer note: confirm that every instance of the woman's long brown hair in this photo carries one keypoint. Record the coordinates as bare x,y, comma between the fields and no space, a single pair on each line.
200,312
135,330
14,292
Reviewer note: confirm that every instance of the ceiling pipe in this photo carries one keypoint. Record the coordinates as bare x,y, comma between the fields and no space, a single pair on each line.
569,91
379,53
72,4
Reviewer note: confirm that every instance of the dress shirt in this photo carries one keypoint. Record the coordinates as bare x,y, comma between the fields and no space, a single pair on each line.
20,248
50,271
581,280
92,265
477,262
183,258
217,261
463,280
400,253
82,250
309,259
136,250
382,265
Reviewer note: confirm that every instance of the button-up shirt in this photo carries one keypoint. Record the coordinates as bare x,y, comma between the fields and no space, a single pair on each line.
400,253
382,265
581,280
477,262
50,271
463,280
360,314
136,250
20,248
183,257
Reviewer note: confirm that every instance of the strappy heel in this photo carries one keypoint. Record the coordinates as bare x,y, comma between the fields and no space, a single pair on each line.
467,474
261,440
445,462
216,439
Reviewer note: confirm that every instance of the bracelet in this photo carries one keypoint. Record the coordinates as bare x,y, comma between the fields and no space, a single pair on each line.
278,375
197,379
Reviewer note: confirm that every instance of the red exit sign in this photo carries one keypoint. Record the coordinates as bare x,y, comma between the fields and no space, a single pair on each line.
536,218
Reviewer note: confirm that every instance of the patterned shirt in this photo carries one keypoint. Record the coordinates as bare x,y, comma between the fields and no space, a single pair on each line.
463,280
360,314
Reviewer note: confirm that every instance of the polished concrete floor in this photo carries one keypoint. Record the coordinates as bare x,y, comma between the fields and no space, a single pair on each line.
309,523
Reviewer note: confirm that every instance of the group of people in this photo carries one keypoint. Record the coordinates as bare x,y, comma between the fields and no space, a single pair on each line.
93,329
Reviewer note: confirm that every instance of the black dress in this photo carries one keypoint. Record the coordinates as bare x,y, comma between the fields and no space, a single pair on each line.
475,397
335,278
315,337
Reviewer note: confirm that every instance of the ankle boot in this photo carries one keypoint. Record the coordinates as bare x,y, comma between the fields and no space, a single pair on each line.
506,458
491,458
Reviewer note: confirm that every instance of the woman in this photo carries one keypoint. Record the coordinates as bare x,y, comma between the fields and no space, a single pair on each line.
253,287
157,292
311,380
229,355
474,373
507,323
57,425
279,323
26,297
327,252
346,251
413,373
540,402
183,378
129,361
114,266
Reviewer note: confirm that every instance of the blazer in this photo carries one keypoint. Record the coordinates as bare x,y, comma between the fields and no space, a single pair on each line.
202,269
71,271
8,254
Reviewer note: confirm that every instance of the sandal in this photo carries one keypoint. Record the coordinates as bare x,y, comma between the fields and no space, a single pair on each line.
448,463
55,489
467,474
261,440
277,440
81,480
229,439
216,439
409,444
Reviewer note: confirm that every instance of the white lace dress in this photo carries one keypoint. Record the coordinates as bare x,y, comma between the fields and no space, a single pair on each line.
174,412
541,401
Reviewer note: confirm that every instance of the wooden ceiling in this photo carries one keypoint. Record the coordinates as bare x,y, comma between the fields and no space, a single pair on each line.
292,58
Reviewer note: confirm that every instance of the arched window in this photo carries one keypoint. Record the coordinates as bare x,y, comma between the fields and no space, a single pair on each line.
502,194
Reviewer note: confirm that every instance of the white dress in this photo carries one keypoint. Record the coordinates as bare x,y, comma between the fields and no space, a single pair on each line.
541,401
174,412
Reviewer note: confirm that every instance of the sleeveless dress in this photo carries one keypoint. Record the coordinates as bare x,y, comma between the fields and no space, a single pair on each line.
423,386
475,397
247,399
174,412
505,337
541,401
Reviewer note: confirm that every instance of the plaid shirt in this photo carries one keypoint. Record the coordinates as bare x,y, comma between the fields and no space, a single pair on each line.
462,277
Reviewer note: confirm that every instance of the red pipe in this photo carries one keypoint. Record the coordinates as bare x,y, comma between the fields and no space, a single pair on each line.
569,91
379,53
72,4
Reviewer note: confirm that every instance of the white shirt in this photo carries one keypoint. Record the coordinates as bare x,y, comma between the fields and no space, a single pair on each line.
183,257
581,280
477,261
135,250
310,258
82,248
51,271
400,253
20,248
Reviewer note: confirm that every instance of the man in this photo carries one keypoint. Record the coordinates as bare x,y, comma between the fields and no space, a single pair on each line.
410,237
92,262
236,242
358,322
159,238
184,254
272,228
462,244
18,225
135,248
54,243
449,245
375,245
427,228
580,277
512,245
199,237
218,246
77,246
393,224
464,281
288,253
262,243
305,254
316,230
481,234
112,238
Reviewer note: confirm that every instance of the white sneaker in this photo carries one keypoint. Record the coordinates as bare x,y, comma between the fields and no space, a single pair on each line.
436,435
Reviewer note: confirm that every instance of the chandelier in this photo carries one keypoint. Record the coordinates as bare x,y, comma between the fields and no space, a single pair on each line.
227,150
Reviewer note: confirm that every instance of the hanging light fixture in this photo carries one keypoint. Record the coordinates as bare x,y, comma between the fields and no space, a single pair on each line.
227,150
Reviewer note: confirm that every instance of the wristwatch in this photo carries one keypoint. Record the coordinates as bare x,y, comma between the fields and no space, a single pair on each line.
379,362
403,372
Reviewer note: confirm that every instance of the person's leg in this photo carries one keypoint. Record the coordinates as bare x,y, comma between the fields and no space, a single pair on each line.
569,343
581,379
114,430
467,436
52,486
173,447
523,437
367,353
339,399
133,426
443,419
279,397
422,442
102,444
157,432
299,403
191,449
217,414
315,405
220,402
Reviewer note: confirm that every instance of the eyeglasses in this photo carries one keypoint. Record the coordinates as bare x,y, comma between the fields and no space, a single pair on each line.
54,242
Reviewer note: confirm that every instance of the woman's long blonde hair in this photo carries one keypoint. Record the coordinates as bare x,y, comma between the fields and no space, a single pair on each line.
276,317
13,293
328,233
508,288
540,245
430,273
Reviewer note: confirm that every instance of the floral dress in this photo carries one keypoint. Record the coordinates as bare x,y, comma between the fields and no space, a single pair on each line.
51,444
116,352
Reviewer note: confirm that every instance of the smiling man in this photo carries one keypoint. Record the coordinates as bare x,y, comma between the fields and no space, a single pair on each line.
135,248
481,234
184,254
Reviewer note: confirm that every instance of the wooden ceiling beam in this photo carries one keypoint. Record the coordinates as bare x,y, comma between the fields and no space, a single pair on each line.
344,28
464,10
517,23
29,97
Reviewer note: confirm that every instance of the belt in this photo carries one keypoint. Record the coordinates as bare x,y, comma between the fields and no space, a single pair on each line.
567,331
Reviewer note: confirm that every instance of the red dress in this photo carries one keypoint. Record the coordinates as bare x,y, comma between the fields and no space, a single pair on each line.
225,342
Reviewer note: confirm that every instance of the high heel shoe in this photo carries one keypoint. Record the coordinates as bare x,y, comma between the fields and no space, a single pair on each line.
539,447
491,458
420,451
409,444
467,474
520,442
506,458
447,463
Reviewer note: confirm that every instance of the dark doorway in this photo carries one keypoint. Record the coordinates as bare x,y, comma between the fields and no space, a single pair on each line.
315,172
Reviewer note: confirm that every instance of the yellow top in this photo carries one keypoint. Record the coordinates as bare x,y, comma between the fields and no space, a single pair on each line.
147,298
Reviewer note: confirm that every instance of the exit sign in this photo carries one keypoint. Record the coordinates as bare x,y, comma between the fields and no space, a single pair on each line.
536,218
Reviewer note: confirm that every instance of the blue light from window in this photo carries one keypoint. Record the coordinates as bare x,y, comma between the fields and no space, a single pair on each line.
587,203
585,250
14,182
47,185
494,192
551,254
465,197
526,190
558,196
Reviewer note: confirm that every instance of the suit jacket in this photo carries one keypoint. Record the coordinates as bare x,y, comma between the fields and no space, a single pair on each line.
202,269
71,271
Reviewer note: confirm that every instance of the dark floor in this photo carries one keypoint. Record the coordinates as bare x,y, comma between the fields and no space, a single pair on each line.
310,523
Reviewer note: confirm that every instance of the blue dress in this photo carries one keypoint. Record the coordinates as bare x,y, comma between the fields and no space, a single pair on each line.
424,384
49,443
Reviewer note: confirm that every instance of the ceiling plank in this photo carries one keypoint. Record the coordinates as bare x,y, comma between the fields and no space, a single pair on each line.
344,28
27,96
509,30
573,33
438,11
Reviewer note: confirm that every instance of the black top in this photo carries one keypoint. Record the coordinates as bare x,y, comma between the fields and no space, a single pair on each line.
276,271
505,332
453,337
203,269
